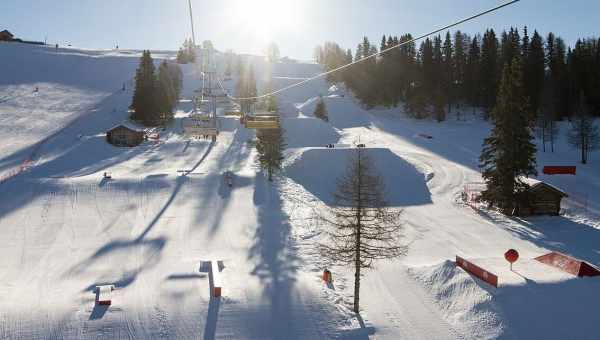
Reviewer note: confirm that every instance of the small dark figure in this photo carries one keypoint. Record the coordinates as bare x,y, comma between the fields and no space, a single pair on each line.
56,47
327,277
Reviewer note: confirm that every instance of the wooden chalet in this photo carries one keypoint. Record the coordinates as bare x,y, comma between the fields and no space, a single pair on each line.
540,199
125,134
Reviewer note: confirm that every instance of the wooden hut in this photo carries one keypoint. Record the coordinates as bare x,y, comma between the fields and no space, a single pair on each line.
6,36
540,199
125,134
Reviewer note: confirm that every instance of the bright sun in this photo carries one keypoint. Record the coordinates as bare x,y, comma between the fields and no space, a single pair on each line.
260,19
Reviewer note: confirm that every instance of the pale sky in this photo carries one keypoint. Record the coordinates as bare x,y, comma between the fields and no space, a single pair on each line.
297,26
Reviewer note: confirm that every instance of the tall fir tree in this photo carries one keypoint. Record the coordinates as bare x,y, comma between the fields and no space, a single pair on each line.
534,73
144,102
321,110
489,69
509,152
472,74
447,71
461,42
269,146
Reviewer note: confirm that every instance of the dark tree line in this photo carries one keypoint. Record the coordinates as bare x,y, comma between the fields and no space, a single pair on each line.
456,69
156,93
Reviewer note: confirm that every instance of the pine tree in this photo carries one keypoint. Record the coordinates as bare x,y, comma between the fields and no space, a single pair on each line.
438,106
558,78
459,67
166,94
472,74
447,71
510,46
363,229
428,67
251,85
508,153
270,146
489,70
321,110
534,72
144,102
584,134
246,86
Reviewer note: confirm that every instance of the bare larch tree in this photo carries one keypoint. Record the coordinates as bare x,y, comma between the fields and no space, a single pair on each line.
584,134
362,227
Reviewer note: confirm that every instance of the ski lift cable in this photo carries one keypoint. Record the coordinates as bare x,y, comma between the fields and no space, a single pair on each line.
320,75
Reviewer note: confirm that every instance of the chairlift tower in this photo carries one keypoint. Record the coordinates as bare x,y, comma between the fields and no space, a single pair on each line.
192,22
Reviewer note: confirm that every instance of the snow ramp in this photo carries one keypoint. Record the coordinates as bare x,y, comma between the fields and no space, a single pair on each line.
547,307
405,185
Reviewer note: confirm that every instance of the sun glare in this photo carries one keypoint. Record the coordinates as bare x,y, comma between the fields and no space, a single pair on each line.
261,19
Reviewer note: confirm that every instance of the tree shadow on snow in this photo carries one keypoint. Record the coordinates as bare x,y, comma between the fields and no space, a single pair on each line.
122,249
276,261
276,266
556,233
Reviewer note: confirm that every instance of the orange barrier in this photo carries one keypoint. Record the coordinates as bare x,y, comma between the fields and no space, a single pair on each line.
216,278
477,271
569,264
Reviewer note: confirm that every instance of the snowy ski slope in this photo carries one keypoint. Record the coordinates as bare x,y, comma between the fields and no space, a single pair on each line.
64,229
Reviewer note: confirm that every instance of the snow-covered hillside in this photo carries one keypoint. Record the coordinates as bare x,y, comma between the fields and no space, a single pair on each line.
64,229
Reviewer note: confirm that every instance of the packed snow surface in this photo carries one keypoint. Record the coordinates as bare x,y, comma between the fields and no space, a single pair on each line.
65,229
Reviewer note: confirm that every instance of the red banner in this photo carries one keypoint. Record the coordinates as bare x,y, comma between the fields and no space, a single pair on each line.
477,271
560,170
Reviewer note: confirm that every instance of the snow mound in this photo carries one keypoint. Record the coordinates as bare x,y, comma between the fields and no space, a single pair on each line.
405,185
308,132
553,306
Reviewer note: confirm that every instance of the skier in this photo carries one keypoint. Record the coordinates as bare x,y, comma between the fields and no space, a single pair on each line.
229,178
327,277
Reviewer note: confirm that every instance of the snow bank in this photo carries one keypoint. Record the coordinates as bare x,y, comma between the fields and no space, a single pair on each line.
533,302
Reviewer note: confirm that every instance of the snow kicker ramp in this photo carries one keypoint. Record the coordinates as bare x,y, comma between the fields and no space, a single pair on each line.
308,132
404,184
545,308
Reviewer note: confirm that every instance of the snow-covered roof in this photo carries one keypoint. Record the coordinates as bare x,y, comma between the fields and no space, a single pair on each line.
129,125
535,184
